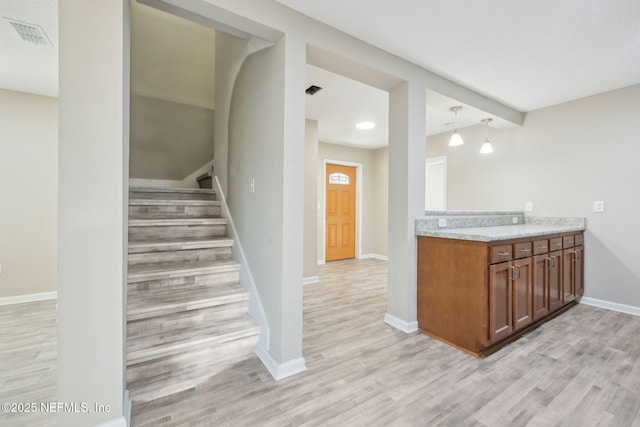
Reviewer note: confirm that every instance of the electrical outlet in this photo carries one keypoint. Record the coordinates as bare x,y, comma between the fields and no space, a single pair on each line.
514,220
598,206
528,206
253,185
442,222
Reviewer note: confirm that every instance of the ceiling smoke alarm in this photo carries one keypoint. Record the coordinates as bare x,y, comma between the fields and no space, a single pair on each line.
30,32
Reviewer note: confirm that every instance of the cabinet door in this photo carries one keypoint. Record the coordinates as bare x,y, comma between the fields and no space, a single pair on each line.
568,275
521,293
540,288
554,281
500,278
578,275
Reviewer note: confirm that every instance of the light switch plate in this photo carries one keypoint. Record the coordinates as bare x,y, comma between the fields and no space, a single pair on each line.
598,206
442,222
514,220
528,206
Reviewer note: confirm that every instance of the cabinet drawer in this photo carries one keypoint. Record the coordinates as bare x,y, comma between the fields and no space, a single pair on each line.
568,242
579,239
522,250
555,244
500,254
540,247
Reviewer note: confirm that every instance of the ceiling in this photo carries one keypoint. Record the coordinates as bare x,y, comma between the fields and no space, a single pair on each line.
526,55
27,67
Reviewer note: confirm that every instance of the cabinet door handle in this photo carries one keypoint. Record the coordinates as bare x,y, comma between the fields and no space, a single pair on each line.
576,256
513,273
553,258
548,261
503,253
519,272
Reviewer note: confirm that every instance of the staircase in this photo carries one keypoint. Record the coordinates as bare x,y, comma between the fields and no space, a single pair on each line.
186,311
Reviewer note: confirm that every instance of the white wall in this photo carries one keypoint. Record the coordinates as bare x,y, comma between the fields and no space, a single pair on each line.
563,159
381,200
258,147
29,189
310,199
93,164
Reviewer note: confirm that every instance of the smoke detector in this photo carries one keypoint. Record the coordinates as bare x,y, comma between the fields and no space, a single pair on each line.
30,32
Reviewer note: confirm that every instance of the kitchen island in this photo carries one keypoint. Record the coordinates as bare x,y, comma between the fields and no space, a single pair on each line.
486,278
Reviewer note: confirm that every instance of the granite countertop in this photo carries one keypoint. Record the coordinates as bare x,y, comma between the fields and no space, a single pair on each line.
503,232
489,226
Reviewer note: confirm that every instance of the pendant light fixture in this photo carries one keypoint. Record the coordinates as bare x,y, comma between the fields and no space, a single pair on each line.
456,139
486,145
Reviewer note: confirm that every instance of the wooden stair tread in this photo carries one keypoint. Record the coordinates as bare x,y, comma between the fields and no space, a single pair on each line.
142,272
173,202
142,305
137,222
172,190
179,243
158,386
150,347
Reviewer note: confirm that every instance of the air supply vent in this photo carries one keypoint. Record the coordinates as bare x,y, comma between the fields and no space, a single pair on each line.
30,32
313,89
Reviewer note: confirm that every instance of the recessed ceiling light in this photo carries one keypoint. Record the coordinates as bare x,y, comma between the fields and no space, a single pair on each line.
365,125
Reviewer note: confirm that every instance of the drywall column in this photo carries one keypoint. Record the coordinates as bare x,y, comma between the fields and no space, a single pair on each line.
406,200
291,361
310,201
93,132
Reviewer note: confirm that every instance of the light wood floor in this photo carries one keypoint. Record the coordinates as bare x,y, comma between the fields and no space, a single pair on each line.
580,369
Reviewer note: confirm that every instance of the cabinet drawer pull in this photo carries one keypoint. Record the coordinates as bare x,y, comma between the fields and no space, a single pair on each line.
542,247
503,253
525,250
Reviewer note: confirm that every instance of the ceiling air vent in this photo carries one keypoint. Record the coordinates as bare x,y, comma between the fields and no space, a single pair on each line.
311,90
30,32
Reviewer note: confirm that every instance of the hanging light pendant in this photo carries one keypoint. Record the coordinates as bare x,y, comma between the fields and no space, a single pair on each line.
486,145
456,139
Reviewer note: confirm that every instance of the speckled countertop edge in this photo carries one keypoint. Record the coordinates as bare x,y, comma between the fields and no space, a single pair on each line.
505,232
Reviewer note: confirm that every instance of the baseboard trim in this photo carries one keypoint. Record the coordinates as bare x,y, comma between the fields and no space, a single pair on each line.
406,327
118,422
614,306
126,407
20,299
320,262
280,371
374,256
310,280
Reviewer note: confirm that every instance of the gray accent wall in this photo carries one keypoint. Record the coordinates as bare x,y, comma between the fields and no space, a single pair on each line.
563,159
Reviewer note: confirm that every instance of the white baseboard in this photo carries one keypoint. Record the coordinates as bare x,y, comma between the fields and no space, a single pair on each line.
614,306
126,407
320,262
374,256
406,327
310,280
280,371
118,422
20,299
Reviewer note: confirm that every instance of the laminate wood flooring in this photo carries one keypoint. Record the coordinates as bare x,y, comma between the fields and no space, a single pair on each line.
579,369
28,360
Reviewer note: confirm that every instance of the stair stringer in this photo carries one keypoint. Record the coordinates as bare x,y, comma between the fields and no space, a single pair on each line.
256,309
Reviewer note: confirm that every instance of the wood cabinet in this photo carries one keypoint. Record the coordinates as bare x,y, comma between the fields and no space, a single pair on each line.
478,296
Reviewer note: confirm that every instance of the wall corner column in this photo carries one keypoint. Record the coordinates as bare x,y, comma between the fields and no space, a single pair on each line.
407,130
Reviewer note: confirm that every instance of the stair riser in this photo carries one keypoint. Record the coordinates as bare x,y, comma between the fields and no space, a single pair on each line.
209,254
162,212
182,282
170,196
186,319
175,231
216,358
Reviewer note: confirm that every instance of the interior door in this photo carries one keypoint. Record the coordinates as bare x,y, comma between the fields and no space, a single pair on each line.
340,212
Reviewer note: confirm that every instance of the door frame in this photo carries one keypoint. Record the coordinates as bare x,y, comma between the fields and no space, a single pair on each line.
323,205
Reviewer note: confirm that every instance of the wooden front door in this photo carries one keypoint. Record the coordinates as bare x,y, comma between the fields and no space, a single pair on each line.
340,212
